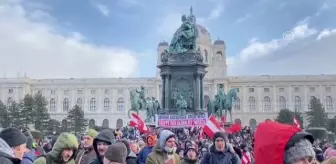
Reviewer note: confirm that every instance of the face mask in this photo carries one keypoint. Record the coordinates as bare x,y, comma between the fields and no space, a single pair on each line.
169,150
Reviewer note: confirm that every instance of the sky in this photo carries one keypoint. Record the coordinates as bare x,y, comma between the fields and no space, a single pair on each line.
119,38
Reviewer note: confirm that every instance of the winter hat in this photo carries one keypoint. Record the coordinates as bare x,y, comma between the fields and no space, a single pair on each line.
92,133
116,153
191,147
13,137
219,135
127,145
153,139
302,148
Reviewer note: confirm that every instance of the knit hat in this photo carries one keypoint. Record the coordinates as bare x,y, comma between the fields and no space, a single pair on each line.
116,153
127,145
219,135
92,133
192,147
302,148
13,137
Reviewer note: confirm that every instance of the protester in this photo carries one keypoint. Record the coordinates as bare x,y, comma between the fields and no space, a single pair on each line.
63,151
116,154
12,146
100,145
151,141
87,152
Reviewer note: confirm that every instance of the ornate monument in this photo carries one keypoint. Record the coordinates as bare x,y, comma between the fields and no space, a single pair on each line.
140,103
182,71
222,102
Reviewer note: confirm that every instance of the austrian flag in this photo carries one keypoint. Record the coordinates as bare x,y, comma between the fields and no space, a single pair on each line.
136,121
211,126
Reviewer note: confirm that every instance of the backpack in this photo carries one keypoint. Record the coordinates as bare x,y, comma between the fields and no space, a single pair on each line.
48,159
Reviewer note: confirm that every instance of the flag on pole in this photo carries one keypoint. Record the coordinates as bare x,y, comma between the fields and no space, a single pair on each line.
296,123
136,121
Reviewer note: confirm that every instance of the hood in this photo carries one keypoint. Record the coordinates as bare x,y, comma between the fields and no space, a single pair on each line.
271,149
126,143
64,141
5,149
164,134
153,139
105,135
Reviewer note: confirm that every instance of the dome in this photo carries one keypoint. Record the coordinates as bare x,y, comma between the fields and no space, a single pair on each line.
219,42
203,36
164,43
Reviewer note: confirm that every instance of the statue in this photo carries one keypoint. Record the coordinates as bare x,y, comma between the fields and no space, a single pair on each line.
184,39
181,106
222,102
174,96
139,103
164,56
199,56
190,97
152,108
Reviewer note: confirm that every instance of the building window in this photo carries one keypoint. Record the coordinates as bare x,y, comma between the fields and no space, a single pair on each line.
236,103
52,105
120,91
9,102
93,104
79,103
65,105
251,89
80,92
267,104
107,91
329,103
66,92
282,103
266,89
281,89
120,104
106,104
328,89
312,89
296,89
52,92
93,91
297,103
10,90
252,103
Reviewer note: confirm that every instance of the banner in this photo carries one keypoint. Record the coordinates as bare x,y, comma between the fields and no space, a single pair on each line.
175,121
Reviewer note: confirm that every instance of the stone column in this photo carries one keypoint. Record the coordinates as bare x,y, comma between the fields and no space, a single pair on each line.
166,95
163,102
198,91
202,91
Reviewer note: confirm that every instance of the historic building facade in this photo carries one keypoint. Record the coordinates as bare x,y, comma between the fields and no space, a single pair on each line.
107,100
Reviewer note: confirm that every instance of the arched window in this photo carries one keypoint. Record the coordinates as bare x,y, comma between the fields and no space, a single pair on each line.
65,105
93,104
252,103
329,103
282,103
206,56
106,104
79,103
9,102
52,105
236,104
120,104
267,104
297,103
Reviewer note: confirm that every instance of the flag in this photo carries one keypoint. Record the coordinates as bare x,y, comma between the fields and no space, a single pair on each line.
245,158
296,123
211,126
234,128
136,121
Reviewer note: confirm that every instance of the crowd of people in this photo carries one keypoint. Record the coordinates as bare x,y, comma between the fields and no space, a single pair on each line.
269,143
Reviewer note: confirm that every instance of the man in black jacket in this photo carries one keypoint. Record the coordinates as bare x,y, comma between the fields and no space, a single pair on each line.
100,145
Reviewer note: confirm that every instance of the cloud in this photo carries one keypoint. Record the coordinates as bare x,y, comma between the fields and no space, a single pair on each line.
42,52
216,12
103,9
309,51
326,33
242,19
169,24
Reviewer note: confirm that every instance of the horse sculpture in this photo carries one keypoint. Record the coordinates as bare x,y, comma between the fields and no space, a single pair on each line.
221,103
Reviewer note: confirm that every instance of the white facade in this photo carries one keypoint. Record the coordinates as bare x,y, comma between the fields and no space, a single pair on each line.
260,97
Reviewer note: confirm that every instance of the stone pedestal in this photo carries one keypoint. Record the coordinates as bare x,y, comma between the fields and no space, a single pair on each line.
185,73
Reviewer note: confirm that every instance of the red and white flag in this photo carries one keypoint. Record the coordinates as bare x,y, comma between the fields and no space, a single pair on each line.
246,159
136,121
296,123
211,126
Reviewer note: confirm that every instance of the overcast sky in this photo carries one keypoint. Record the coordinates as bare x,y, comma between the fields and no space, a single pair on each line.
104,38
